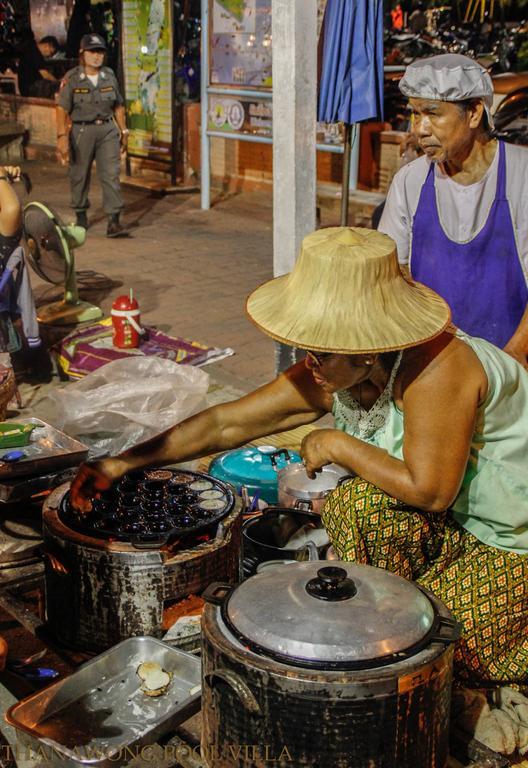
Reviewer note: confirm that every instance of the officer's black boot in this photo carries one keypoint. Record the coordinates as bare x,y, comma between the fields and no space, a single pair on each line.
115,228
81,219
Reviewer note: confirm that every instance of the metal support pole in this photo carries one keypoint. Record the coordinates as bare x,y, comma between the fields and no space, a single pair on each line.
175,126
294,32
346,175
205,175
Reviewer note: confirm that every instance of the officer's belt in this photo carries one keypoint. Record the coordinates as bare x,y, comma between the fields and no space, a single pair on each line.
97,121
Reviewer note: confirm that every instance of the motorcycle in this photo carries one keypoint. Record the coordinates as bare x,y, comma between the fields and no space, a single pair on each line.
511,117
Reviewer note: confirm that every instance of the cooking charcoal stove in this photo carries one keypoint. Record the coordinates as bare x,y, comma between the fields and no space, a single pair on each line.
153,539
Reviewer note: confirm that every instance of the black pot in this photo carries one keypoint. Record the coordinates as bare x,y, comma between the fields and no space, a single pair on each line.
265,535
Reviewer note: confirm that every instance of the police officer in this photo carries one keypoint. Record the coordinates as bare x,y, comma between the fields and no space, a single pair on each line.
90,100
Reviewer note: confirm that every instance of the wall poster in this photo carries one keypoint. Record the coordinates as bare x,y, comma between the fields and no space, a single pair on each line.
240,43
147,65
49,17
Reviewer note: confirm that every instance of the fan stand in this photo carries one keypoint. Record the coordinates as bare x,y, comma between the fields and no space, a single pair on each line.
70,311
64,313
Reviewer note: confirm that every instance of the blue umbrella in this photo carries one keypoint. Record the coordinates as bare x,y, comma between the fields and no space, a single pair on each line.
351,84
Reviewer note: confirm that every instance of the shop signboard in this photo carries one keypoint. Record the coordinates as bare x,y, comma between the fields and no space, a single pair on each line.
244,115
147,66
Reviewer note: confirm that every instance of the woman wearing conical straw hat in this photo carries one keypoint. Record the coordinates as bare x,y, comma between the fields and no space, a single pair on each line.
434,425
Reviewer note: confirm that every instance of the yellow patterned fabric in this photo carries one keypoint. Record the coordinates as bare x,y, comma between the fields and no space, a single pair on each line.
485,588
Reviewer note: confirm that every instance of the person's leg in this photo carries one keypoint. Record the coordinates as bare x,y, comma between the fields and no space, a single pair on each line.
82,148
368,526
108,163
485,588
487,591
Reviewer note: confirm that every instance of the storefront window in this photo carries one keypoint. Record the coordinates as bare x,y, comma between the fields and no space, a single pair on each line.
241,43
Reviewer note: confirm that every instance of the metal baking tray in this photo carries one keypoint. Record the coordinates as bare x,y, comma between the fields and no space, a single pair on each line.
49,449
17,489
98,715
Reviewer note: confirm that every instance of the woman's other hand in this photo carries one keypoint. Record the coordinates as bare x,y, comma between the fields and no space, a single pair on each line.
11,171
318,449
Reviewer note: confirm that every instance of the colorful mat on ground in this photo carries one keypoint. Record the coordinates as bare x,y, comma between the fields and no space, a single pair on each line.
86,349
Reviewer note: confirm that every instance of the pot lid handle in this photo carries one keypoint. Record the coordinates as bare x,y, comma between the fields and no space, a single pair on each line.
277,454
332,584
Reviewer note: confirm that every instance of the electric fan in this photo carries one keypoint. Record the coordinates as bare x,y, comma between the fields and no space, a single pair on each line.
50,245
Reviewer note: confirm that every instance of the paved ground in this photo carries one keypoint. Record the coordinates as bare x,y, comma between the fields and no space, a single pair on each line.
190,269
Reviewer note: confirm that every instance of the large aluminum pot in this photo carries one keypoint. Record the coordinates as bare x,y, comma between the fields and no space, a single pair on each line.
298,491
347,666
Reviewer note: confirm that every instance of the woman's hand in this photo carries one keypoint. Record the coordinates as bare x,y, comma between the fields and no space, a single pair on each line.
91,480
318,449
123,141
11,171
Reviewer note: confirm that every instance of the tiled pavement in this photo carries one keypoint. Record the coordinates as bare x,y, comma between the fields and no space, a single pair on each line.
191,270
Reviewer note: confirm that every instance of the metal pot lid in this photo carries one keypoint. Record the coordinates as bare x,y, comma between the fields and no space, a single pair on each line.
343,614
294,480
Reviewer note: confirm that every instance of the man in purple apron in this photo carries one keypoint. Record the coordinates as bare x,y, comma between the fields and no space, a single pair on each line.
459,213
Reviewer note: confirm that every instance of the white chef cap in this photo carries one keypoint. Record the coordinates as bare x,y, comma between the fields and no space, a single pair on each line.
448,77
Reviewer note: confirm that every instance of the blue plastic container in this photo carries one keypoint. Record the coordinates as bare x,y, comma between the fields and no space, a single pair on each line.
254,468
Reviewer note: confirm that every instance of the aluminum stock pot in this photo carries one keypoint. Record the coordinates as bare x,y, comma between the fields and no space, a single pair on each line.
347,666
297,490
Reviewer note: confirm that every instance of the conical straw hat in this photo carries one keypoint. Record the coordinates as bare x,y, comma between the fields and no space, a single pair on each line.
347,294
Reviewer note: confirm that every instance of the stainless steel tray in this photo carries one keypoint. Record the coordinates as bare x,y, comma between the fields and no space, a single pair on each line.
98,715
48,450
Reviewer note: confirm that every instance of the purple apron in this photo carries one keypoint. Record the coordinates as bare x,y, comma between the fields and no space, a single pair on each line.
481,280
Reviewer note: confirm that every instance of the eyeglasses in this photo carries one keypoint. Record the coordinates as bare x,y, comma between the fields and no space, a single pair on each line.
318,357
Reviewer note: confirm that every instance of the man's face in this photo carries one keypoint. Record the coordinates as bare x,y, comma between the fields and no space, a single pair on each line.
46,49
443,130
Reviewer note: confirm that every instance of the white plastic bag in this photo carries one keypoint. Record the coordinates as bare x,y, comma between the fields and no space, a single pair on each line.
126,401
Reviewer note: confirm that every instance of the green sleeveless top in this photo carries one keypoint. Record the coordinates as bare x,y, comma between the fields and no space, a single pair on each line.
493,500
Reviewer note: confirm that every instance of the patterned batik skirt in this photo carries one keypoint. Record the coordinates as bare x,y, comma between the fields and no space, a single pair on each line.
485,588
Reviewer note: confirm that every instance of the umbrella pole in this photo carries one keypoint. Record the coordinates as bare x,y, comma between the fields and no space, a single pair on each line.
346,175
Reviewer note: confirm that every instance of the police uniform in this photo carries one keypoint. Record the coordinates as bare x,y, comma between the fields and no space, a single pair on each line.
94,134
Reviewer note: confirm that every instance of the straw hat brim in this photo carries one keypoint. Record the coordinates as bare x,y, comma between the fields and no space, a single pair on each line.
391,316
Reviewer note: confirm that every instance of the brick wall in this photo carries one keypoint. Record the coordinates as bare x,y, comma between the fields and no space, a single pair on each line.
390,157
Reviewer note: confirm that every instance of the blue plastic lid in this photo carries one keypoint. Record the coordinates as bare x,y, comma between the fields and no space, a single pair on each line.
254,468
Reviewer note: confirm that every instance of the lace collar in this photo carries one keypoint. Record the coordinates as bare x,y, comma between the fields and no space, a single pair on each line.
358,421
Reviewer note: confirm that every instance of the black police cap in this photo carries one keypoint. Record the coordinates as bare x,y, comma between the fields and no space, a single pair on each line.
92,42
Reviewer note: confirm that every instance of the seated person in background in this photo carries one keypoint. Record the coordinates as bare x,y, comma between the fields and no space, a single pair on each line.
10,212
16,296
50,48
34,79
433,424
